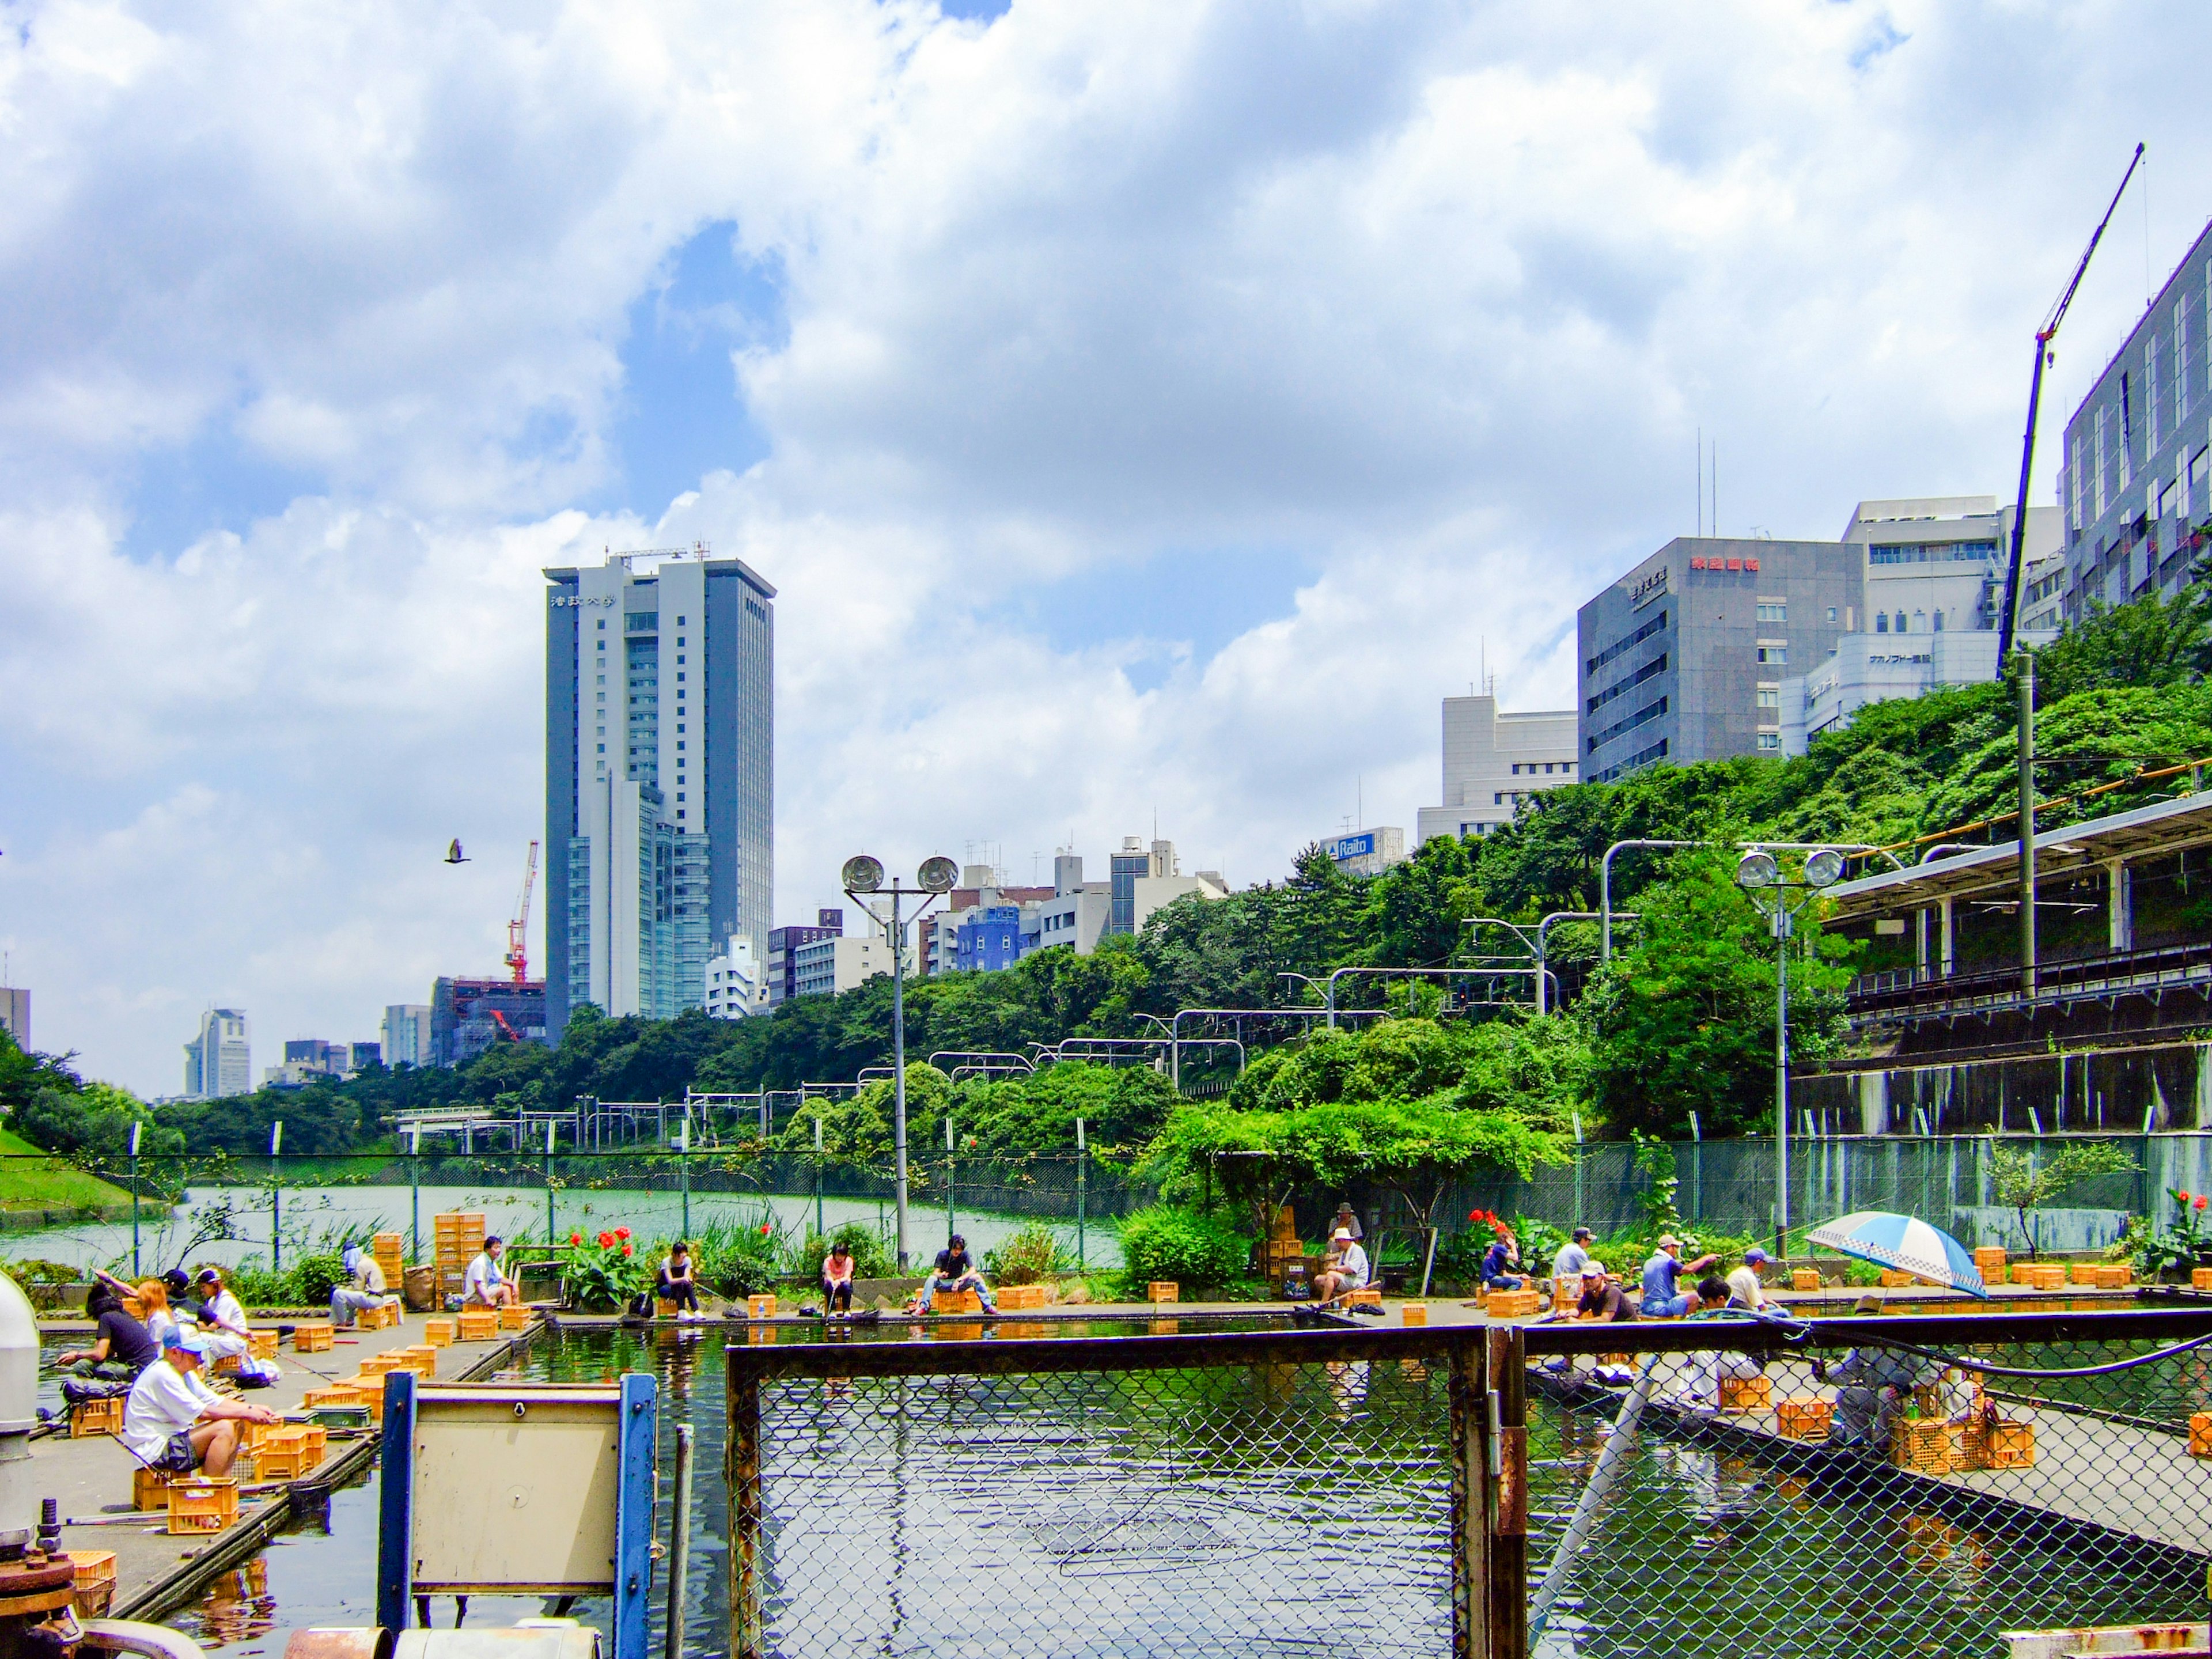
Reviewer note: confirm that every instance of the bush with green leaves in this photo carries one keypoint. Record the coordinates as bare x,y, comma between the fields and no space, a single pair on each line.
604,1273
1033,1254
740,1256
872,1252
1196,1248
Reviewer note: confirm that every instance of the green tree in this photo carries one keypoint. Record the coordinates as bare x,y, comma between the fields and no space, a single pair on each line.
2022,1184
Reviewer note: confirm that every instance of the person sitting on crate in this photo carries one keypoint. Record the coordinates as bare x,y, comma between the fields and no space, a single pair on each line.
1876,1385
1744,1289
954,1271
483,1285
120,1352
675,1282
154,1310
1505,1251
174,1422
222,1319
1343,1269
363,1288
1663,1297
1574,1258
837,1279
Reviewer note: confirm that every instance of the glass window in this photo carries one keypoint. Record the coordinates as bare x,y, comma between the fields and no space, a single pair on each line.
1901,622
1769,742
1775,653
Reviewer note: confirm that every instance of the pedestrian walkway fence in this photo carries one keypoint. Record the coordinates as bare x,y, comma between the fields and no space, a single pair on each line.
1867,1486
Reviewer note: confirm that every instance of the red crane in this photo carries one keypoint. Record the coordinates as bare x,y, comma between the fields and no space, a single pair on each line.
517,931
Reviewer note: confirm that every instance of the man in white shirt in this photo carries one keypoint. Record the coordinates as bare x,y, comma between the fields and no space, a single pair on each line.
222,1319
1347,1268
484,1284
1744,1289
174,1422
1574,1260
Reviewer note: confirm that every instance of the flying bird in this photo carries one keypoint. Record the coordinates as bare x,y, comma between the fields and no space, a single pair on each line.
454,852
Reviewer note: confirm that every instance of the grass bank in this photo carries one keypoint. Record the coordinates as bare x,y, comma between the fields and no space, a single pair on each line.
37,1190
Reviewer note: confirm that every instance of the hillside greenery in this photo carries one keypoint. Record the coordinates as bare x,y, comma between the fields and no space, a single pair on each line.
1679,1021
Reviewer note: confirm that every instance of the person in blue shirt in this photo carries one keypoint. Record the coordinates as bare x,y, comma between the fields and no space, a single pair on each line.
1663,1298
1504,1252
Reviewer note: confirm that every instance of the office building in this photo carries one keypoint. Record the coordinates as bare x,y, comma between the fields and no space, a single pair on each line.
983,887
407,1034
659,777
467,1016
1934,586
733,982
1683,659
783,945
16,1014
2134,479
219,1060
1144,879
1365,852
1493,760
1077,911
822,967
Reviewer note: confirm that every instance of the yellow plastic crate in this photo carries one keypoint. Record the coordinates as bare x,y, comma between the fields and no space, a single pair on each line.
315,1336
515,1317
475,1325
1747,1393
1163,1289
97,1417
438,1333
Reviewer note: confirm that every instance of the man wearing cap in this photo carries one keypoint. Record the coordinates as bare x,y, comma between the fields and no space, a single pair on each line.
1744,1289
1345,1269
1574,1261
173,1422
1663,1298
222,1321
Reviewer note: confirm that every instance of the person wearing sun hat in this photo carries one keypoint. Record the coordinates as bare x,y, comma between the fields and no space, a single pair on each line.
1663,1299
1346,1269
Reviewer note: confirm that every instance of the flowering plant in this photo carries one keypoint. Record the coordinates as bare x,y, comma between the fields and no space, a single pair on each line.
2188,1241
605,1273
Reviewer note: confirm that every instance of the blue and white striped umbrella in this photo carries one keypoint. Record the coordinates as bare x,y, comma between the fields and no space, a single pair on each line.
1903,1241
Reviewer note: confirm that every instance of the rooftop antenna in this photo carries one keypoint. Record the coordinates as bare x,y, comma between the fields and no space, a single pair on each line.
1698,473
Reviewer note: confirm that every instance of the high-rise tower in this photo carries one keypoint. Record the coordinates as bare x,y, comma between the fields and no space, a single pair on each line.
659,777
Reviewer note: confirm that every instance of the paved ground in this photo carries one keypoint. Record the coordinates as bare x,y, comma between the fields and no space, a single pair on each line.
92,1477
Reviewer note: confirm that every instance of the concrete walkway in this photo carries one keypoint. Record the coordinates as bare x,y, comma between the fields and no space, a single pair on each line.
155,1572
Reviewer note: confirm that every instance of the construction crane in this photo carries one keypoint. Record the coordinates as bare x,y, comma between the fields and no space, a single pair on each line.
2009,620
517,931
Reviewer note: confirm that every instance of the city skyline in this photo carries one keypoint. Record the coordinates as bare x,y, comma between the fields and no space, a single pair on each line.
1152,409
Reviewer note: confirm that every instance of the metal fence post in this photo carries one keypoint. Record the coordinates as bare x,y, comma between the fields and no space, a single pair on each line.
742,1471
1508,1359
1470,1500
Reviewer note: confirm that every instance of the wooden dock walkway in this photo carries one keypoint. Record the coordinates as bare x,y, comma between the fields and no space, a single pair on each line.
2091,1475
156,1573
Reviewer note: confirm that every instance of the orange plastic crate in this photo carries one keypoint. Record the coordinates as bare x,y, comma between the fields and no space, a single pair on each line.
1414,1313
201,1503
1805,1419
97,1417
1922,1444
1747,1393
475,1325
2200,1434
1163,1289
262,1344
438,1333
1017,1298
2002,1444
315,1336
1804,1278
1514,1304
515,1317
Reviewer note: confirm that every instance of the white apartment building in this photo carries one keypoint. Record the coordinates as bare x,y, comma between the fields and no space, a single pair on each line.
822,967
406,1034
733,982
219,1061
1078,911
1492,762
1933,582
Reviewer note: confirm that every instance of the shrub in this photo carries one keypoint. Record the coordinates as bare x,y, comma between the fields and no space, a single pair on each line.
872,1253
1032,1255
310,1280
1173,1241
740,1258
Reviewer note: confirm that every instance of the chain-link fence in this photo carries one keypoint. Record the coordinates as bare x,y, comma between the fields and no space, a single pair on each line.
1872,1487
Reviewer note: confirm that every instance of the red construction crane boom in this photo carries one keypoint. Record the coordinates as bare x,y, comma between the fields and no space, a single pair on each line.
517,931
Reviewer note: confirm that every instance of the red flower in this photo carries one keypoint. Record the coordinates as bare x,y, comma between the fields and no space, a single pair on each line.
621,1232
2202,1201
2181,1197
765,1230
575,1238
629,1249
606,1240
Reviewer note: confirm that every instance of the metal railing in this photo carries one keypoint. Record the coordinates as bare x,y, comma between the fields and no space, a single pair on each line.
1868,1486
1920,991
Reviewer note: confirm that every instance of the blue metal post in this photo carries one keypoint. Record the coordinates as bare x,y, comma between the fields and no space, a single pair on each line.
633,1501
395,1530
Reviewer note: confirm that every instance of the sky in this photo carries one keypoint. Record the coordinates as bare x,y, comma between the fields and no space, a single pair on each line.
1146,413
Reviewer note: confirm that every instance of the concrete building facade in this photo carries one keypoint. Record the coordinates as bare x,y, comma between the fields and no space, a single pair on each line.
734,989
659,777
2134,478
1365,852
16,1014
1493,760
406,1033
1683,659
467,1016
783,945
824,966
1078,910
219,1060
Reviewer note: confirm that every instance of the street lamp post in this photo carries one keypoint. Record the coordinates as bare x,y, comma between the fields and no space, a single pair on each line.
1760,876
863,879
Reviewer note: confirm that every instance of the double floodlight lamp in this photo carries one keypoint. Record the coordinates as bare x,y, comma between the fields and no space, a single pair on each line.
1824,867
863,874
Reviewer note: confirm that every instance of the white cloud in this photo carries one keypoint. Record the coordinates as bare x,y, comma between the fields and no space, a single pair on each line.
1403,318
